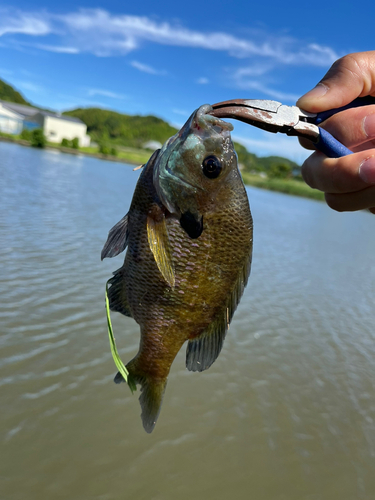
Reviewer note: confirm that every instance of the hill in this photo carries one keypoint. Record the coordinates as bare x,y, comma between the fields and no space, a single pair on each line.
120,129
8,93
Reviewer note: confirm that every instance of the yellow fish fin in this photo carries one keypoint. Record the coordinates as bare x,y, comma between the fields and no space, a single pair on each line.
159,244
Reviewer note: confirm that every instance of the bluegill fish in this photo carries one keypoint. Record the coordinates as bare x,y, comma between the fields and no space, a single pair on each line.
188,235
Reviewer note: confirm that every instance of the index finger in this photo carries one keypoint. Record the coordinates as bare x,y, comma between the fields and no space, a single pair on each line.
349,77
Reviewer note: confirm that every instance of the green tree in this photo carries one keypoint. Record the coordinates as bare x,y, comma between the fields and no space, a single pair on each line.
115,128
104,149
8,93
280,171
65,143
75,143
114,152
38,139
26,134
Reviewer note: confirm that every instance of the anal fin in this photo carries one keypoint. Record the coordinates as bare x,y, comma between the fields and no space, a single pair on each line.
116,294
203,351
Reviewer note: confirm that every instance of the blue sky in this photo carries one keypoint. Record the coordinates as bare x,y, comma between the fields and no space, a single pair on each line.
167,58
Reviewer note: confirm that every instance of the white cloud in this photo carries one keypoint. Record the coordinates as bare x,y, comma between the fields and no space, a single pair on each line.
23,23
29,86
264,89
105,93
58,49
6,72
254,79
203,81
275,145
145,68
103,34
252,71
63,102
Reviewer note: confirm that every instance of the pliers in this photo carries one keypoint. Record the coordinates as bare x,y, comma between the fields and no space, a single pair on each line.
275,117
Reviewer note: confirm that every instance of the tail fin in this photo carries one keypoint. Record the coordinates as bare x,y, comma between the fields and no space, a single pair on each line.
152,392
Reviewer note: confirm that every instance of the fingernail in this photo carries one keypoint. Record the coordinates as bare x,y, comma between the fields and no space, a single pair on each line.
319,91
367,170
369,125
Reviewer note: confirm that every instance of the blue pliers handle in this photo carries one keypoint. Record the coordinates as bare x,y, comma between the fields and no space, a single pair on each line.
275,117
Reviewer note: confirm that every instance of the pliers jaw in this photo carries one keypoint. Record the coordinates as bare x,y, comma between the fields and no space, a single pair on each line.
272,116
291,120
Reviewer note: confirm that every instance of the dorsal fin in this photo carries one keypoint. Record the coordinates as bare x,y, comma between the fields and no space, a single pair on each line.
202,351
158,240
117,239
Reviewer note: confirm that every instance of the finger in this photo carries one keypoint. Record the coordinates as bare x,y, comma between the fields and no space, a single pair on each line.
340,175
305,143
364,147
349,77
353,127
351,202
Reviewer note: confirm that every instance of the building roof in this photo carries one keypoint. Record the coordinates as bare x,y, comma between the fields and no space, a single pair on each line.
17,116
21,109
30,112
60,116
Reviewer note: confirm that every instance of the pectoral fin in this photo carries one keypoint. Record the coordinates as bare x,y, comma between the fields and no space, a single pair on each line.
117,239
159,244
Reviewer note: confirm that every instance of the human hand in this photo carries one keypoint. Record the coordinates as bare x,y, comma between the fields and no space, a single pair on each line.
348,182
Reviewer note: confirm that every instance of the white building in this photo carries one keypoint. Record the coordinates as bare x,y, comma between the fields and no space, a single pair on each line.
56,127
10,121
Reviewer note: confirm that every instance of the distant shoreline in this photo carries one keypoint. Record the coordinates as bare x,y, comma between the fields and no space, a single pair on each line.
287,186
71,151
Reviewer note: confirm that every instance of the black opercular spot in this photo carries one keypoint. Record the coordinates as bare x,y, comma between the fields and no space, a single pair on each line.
211,167
191,224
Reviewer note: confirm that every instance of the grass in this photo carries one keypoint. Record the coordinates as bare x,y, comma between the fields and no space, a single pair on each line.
127,155
288,186
135,157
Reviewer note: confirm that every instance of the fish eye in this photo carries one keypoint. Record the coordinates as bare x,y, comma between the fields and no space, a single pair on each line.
211,167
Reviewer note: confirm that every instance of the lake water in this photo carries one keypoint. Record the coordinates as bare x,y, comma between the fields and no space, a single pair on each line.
287,412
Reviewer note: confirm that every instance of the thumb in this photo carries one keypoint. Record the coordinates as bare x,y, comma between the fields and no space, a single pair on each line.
350,77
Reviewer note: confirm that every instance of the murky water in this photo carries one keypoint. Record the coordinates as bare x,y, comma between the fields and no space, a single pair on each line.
287,412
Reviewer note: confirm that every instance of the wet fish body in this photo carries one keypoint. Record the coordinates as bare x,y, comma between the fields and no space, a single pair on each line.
188,235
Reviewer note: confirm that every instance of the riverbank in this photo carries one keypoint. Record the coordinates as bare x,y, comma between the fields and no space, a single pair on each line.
140,157
128,155
287,186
